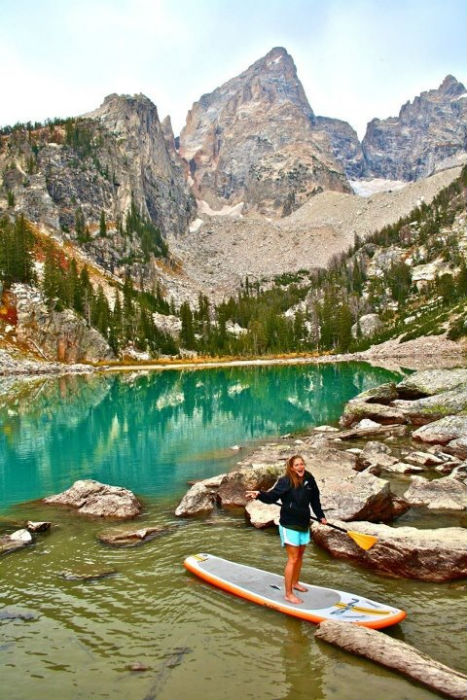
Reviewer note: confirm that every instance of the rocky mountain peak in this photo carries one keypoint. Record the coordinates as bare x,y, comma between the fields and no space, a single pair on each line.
428,132
251,141
451,87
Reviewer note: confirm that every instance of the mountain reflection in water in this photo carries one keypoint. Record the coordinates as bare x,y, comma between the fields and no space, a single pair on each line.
151,432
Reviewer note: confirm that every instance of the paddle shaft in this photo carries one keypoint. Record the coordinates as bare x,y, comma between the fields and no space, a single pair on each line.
336,527
317,520
364,541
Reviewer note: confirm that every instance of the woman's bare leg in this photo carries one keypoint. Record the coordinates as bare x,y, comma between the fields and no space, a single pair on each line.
297,569
293,555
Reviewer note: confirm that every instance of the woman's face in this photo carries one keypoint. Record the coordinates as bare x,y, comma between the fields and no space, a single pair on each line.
298,466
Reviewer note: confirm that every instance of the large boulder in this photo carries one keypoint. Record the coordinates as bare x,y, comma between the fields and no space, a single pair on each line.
432,408
200,498
430,382
447,493
358,408
369,324
262,515
432,394
260,476
428,555
442,431
90,497
458,447
375,456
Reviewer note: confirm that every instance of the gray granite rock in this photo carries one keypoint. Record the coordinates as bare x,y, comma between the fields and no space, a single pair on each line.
428,555
92,498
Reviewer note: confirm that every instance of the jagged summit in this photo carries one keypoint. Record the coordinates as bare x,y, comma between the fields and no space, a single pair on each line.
428,131
251,140
451,87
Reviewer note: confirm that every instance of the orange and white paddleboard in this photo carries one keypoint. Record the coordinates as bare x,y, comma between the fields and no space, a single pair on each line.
267,589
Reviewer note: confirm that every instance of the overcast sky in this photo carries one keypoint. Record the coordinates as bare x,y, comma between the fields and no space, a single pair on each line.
357,59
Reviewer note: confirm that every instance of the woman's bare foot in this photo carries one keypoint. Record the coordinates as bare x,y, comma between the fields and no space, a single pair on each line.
299,587
293,599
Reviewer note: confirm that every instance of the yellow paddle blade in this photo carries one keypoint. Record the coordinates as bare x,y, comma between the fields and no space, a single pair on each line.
363,541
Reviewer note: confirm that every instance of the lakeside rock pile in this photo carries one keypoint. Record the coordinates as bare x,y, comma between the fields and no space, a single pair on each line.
352,490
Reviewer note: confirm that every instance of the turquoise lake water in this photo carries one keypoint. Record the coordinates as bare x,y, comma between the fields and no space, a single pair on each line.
153,432
66,639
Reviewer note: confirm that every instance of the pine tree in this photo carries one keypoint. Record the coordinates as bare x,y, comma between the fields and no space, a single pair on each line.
51,280
102,225
344,327
187,334
16,252
128,310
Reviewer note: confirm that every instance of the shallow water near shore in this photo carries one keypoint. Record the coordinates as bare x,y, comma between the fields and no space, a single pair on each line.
79,639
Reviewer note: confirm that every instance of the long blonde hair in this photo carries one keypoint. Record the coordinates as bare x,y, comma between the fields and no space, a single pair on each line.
293,477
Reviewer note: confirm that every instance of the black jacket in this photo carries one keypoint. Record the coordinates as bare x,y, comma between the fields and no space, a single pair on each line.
296,502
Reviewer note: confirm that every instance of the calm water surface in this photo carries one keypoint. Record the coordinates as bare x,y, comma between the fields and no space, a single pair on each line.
152,433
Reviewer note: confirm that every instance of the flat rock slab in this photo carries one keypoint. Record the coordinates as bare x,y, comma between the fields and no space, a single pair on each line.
10,613
428,555
442,431
90,497
396,655
431,381
446,493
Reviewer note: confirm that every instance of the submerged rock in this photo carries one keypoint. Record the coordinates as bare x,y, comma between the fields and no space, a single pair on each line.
133,538
16,614
91,497
428,555
87,573
41,526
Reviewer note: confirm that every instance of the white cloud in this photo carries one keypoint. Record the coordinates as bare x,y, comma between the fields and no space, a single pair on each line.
357,60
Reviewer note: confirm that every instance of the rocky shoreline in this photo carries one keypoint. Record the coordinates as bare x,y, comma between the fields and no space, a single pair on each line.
425,352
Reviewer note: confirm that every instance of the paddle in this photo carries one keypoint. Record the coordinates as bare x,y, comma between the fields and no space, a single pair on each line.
364,541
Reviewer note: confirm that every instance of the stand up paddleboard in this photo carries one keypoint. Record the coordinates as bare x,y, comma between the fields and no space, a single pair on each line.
267,589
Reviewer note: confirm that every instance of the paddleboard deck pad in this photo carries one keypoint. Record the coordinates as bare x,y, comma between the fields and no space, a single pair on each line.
267,589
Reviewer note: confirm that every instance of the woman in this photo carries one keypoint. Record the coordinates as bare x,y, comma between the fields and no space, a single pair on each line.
297,490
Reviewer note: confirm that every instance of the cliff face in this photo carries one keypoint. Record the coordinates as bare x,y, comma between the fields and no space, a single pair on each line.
428,131
98,163
252,141
345,146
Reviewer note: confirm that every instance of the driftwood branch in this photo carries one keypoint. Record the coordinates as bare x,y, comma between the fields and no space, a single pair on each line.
395,655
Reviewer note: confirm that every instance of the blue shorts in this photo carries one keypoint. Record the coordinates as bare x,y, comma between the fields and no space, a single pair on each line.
293,537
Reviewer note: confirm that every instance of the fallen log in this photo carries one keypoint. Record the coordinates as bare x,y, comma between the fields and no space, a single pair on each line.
396,655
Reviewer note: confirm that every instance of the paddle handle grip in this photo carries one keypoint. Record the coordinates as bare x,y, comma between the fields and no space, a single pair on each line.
336,527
